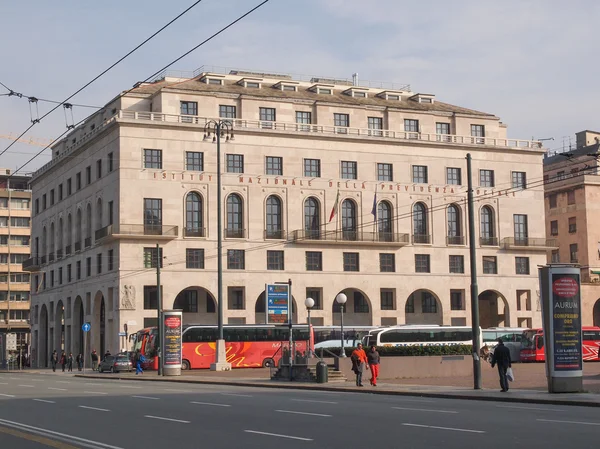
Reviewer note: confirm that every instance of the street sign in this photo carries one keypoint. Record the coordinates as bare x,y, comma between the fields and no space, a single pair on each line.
122,334
278,299
86,327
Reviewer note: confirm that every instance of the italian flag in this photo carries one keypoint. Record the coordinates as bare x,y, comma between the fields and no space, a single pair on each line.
335,206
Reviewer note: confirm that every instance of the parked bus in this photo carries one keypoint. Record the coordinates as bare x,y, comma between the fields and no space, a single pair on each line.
532,343
511,336
416,335
330,336
146,341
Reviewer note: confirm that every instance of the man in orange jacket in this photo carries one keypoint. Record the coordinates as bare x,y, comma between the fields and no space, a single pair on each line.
359,361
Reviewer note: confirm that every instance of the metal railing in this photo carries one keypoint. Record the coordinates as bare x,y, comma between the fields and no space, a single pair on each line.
274,234
421,239
103,232
307,235
87,242
524,242
198,232
235,233
32,262
51,257
455,240
59,253
78,246
488,241
68,250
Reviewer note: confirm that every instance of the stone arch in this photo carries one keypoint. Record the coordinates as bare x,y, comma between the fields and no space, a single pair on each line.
99,337
260,310
198,304
42,343
78,318
358,310
596,313
59,327
423,307
493,310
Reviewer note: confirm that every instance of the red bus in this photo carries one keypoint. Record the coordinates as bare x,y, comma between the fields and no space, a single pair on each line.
146,341
532,344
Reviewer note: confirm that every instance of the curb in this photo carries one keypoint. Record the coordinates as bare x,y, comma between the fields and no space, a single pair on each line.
309,387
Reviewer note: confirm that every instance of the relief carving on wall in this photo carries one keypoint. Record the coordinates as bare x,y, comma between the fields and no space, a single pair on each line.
128,297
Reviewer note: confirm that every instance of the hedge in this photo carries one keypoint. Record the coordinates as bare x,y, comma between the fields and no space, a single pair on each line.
405,351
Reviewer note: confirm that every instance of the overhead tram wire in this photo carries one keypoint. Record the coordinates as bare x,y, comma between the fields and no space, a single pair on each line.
101,73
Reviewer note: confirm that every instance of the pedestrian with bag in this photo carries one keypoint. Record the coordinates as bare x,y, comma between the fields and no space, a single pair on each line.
54,360
70,362
359,362
373,361
63,361
501,358
94,360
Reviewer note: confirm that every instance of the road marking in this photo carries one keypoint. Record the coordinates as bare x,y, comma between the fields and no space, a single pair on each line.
304,413
57,435
313,400
176,391
424,410
443,428
37,439
127,386
570,422
45,401
14,378
532,408
94,408
166,419
417,400
237,394
28,386
3,383
94,384
63,382
144,397
94,392
210,403
57,389
7,395
278,435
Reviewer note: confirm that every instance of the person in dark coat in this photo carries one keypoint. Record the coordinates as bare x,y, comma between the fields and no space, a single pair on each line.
373,361
359,362
70,362
94,360
63,361
79,360
54,360
501,358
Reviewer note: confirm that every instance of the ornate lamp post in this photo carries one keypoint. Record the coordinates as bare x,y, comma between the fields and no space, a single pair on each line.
309,303
341,299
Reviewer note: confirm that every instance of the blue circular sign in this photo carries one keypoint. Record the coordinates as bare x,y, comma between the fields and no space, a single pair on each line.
86,327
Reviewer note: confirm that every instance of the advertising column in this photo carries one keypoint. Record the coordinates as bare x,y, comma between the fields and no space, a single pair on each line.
172,342
561,309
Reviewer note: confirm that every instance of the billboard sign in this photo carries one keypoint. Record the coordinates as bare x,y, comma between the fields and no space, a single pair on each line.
566,323
278,303
172,339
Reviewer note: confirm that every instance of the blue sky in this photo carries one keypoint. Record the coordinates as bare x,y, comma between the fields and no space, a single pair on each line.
531,62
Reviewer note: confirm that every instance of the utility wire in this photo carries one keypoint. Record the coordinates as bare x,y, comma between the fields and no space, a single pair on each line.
102,73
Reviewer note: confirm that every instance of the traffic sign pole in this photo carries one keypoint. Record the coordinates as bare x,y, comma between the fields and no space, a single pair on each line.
85,328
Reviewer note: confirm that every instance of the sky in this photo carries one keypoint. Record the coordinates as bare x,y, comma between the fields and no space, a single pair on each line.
533,63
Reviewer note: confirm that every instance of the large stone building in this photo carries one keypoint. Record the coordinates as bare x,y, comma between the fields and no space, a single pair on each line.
15,231
572,203
142,171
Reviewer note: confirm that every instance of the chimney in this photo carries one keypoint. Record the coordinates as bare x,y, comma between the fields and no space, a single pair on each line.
355,79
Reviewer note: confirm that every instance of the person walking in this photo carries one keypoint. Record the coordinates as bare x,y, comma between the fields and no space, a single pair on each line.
373,360
359,362
70,362
54,360
94,360
138,358
501,358
63,361
79,361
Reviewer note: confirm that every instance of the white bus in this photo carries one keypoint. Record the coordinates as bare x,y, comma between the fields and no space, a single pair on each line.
511,337
330,336
420,335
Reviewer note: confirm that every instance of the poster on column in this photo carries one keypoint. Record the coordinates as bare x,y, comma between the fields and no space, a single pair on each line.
278,299
566,323
172,351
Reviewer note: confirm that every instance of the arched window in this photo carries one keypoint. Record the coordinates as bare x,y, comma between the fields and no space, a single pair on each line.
88,226
69,233
312,218
51,248
78,230
274,228
487,232
193,215
384,221
454,231
349,224
44,244
235,216
99,214
420,234
60,237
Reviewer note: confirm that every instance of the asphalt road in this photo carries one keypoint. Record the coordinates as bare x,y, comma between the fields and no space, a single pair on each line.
36,410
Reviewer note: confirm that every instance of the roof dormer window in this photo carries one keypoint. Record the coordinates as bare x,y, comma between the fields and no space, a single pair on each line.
390,95
324,91
356,92
214,81
288,88
252,85
423,98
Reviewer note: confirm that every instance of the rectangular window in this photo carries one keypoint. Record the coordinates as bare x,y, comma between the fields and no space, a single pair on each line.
314,261
99,169
522,265
20,222
521,229
312,168
351,262
552,201
387,262
110,162
99,263
69,274
457,264
304,119
226,111
152,215
453,176
519,180
574,253
422,263
477,131
275,260
442,128
486,178
386,296
490,265
88,175
44,202
111,260
385,172
341,120
554,227
267,115
360,303
560,175
151,256
572,225
153,159
111,212
235,298
194,258
78,181
88,266
274,165
571,197
457,301
235,163
37,206
411,126
428,303
315,294
188,108
194,161
60,192
375,126
60,275
69,187
555,256
349,170
236,259
419,174
52,197
151,297
78,269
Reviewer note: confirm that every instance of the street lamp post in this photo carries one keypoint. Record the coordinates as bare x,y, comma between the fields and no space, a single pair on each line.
341,300
309,303
220,128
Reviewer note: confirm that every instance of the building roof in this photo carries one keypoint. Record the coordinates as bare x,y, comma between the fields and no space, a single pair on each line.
579,152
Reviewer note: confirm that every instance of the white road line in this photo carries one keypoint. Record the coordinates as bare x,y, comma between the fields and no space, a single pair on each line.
94,408
417,400
313,400
28,386
45,401
127,386
303,413
94,392
94,384
176,391
63,382
238,395
210,403
167,419
443,428
570,422
14,378
144,397
36,380
278,435
532,408
3,383
57,389
7,395
424,410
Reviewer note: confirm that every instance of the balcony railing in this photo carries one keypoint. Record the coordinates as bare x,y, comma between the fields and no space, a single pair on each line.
103,232
488,241
32,264
59,254
455,240
43,260
541,244
88,242
78,246
308,236
235,233
421,239
68,250
274,234
198,232
119,231
51,257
